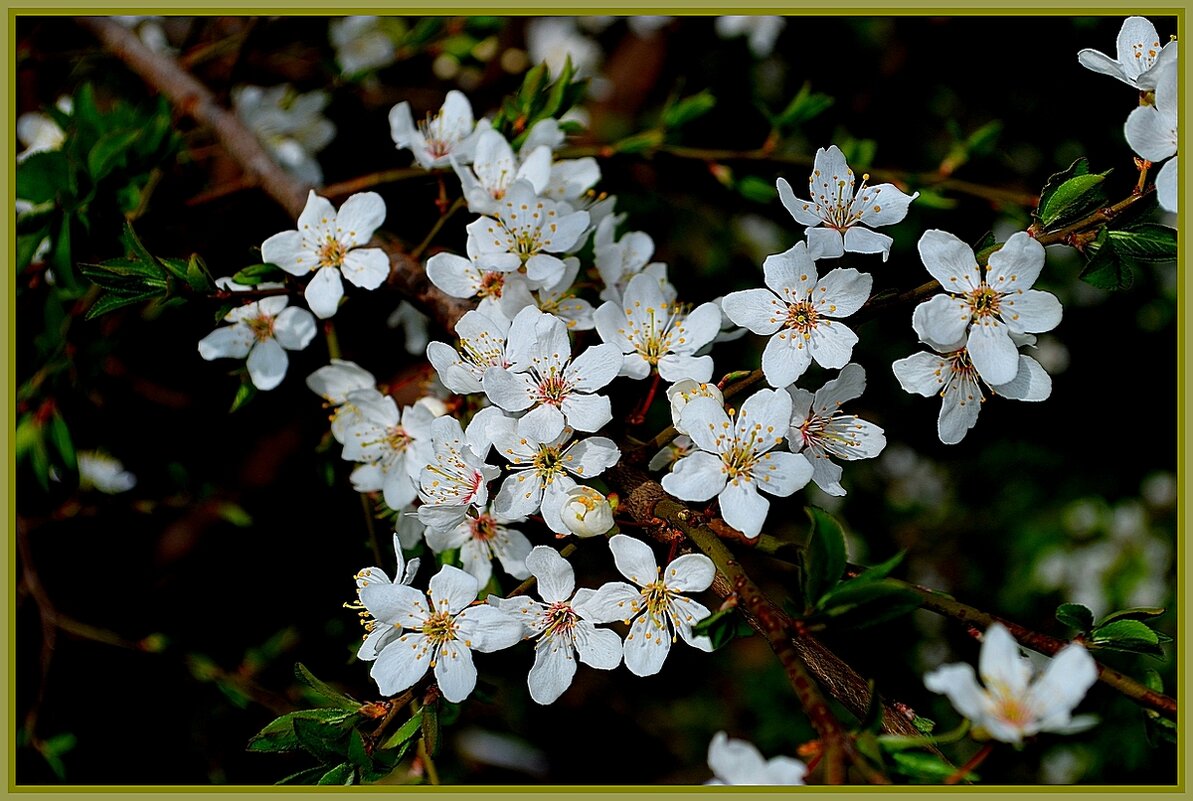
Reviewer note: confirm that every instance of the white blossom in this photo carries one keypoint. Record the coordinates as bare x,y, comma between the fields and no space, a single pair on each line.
654,607
618,262
329,243
1013,705
379,636
290,125
439,632
39,133
495,167
457,480
740,762
261,331
543,378
763,30
450,134
360,44
836,211
1151,132
482,345
104,473
951,374
800,314
528,231
654,332
463,277
681,393
736,458
559,300
334,382
392,447
1140,56
481,539
541,471
561,626
990,308
820,430
586,512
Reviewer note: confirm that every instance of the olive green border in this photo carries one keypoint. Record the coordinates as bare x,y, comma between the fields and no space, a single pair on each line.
536,7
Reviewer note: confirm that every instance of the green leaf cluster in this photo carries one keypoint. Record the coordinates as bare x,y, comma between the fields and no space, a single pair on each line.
1127,630
141,276
864,600
539,98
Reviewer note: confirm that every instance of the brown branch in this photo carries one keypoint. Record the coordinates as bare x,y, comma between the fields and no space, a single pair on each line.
192,98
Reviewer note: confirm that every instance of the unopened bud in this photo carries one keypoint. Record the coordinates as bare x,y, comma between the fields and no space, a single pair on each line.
586,512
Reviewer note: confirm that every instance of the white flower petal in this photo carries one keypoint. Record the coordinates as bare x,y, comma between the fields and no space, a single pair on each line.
803,211
267,364
1166,186
863,240
832,344
290,252
780,473
366,268
614,600
1000,663
455,672
692,572
591,456
785,358
1066,680
598,648
696,477
229,341
646,647
1032,312
634,559
958,411
842,292
324,291
358,218
594,368
488,629
743,507
294,328
556,579
585,412
959,683
1016,265
992,352
394,604
759,310
553,670
950,261
451,589
941,318
402,663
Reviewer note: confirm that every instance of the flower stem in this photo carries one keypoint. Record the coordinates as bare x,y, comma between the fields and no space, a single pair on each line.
639,414
417,252
974,761
364,182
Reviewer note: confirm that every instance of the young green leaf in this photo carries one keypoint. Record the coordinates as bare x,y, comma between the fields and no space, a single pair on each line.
279,735
688,109
1075,616
325,692
342,773
824,560
404,732
1133,613
1146,242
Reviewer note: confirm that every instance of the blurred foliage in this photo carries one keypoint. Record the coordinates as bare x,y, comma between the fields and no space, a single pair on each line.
228,550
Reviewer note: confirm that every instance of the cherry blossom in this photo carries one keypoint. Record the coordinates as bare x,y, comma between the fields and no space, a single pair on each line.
392,447
740,762
379,636
457,480
262,331
1151,132
1140,56
449,135
481,539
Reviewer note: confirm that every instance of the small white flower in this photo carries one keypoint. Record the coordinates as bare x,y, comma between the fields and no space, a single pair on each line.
451,134
263,331
482,345
360,44
762,29
681,393
740,762
836,211
953,376
527,232
104,473
654,332
562,627
798,311
554,40
392,448
39,133
618,262
377,637
482,538
1140,56
541,471
333,383
440,635
291,126
818,426
494,168
329,243
735,459
414,327
1151,132
463,277
1013,706
991,308
586,512
559,300
543,377
457,480
655,609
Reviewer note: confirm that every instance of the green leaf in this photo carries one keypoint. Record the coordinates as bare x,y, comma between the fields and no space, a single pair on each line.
639,143
1126,635
1133,613
688,109
27,245
112,302
325,692
42,176
280,736
722,626
128,268
342,773
198,277
1070,194
926,767
1108,269
803,107
879,571
61,260
258,274
756,189
1075,616
404,732
109,152
824,559
323,741
430,727
244,393
867,603
358,753
1146,242
307,776
60,438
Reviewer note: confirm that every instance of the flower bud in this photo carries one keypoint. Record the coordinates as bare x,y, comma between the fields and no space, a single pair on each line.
683,392
586,512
